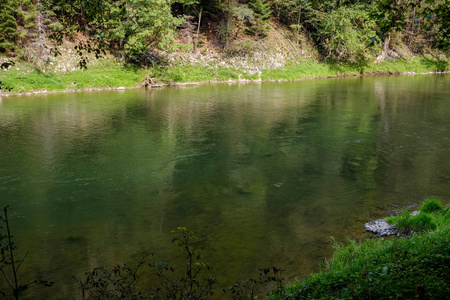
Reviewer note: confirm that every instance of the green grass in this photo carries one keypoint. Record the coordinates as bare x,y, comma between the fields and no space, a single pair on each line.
305,69
431,205
410,267
194,73
424,221
24,77
310,69
106,73
417,65
407,223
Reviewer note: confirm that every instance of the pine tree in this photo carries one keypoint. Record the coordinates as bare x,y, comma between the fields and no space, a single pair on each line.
8,24
262,14
25,22
44,26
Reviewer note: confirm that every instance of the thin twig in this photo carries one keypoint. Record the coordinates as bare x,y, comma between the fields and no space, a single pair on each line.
21,261
7,280
16,292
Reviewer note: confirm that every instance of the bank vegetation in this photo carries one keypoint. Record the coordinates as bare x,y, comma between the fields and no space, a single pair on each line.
414,265
59,45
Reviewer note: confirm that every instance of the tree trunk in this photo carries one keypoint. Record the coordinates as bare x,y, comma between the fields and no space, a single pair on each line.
198,28
412,26
383,54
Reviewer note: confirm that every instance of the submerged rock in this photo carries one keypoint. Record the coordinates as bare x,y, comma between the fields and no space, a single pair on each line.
380,228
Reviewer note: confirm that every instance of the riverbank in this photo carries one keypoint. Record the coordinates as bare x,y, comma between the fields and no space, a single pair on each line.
107,74
415,266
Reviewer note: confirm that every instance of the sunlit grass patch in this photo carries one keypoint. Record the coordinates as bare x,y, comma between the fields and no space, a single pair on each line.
106,74
23,77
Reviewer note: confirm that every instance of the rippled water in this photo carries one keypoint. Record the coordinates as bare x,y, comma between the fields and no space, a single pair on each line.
263,173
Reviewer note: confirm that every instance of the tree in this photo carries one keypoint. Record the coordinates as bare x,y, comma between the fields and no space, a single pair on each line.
234,14
128,27
344,33
139,25
390,16
191,28
425,22
439,15
262,12
42,19
8,24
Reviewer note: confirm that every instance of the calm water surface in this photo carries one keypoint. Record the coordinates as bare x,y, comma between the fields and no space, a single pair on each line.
264,174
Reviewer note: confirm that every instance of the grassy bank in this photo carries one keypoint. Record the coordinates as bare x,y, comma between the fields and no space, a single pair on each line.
23,77
107,73
415,266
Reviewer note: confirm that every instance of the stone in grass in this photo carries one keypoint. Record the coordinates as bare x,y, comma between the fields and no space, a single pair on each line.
383,228
380,228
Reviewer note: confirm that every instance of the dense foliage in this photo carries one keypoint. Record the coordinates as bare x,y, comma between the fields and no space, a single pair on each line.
343,33
341,30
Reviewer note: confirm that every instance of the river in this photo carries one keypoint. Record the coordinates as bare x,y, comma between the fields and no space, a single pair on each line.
263,173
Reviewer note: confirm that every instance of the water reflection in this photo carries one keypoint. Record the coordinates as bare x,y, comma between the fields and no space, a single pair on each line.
264,173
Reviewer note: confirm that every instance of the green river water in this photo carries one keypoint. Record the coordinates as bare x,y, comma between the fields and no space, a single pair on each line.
263,173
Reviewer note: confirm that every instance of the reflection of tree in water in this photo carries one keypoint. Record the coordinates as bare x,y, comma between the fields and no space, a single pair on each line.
359,165
413,144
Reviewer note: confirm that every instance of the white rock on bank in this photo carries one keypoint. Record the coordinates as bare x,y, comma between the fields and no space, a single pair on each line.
380,228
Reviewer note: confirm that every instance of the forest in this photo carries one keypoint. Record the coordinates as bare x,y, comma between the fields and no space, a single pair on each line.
141,31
